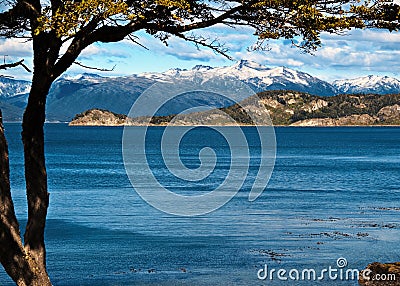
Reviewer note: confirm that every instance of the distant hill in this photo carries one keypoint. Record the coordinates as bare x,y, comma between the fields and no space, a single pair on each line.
71,95
284,107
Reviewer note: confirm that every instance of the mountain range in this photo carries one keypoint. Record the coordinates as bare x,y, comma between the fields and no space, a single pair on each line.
72,95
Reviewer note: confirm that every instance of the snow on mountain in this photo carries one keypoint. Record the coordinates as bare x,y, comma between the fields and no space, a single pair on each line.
257,76
368,84
84,76
11,87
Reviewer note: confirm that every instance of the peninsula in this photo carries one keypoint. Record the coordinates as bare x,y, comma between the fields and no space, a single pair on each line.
285,108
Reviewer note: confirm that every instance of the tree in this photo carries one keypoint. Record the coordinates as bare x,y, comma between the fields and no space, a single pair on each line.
61,29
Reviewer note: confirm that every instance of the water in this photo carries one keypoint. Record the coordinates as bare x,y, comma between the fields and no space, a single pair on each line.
334,193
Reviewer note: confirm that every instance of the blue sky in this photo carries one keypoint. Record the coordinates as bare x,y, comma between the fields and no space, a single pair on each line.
358,53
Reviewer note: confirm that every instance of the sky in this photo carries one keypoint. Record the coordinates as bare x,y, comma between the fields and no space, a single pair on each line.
357,53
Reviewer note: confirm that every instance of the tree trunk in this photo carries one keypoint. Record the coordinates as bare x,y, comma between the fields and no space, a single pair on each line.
17,262
26,263
35,172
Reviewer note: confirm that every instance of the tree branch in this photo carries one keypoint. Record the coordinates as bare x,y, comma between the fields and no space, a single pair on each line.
16,20
81,41
13,65
108,34
214,45
94,68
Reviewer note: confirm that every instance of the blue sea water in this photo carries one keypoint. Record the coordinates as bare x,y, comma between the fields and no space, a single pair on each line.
334,193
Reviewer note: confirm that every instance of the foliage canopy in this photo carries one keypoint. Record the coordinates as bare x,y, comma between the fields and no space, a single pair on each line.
89,21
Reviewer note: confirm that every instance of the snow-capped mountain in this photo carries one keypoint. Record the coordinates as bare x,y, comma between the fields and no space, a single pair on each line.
71,95
368,84
83,76
258,77
11,87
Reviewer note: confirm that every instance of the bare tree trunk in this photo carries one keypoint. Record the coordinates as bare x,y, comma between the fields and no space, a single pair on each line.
18,263
35,172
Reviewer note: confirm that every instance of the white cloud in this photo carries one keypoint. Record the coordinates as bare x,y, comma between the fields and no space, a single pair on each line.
16,48
104,51
234,40
178,48
369,35
12,50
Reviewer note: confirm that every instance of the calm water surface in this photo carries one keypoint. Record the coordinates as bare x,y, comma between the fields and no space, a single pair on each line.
334,193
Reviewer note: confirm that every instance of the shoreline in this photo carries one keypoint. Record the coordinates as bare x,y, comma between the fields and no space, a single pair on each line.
233,125
240,125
